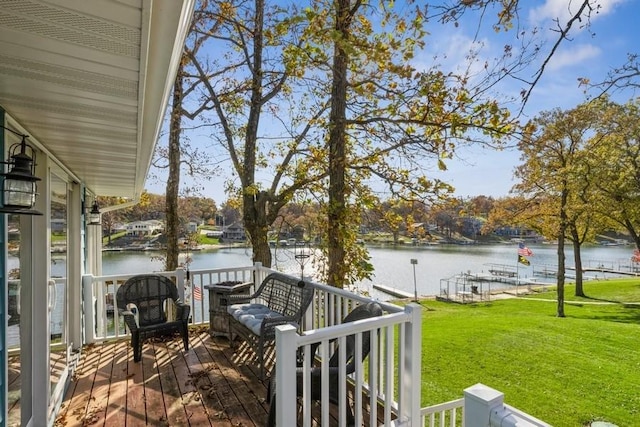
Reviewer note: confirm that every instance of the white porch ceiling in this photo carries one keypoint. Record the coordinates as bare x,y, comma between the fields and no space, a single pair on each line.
89,81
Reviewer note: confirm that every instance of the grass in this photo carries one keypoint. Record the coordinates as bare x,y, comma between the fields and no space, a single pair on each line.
204,240
566,371
114,236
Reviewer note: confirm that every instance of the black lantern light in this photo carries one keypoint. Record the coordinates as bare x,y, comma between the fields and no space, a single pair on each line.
19,187
94,214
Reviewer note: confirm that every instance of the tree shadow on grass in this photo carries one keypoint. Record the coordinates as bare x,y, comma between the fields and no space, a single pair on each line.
615,312
587,297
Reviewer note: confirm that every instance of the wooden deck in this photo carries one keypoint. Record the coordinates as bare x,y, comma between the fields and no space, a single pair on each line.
208,385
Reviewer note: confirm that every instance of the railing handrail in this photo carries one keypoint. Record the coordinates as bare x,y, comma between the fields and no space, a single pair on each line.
526,417
446,406
344,293
344,329
127,275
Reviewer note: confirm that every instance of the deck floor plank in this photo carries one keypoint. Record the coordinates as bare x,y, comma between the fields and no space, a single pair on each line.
97,408
186,369
156,414
79,392
236,397
176,413
202,366
248,389
136,410
116,411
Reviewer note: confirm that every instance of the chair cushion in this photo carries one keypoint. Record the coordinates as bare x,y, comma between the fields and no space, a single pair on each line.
251,315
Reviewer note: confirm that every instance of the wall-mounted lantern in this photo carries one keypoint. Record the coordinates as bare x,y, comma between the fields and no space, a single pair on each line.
94,214
19,188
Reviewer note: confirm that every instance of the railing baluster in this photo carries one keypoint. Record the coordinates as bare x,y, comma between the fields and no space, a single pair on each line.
374,368
388,338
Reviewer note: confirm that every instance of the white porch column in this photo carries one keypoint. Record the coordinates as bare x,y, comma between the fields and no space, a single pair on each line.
74,265
93,267
88,301
35,240
26,321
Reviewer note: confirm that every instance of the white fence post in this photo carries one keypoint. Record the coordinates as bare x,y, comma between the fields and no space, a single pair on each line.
258,275
411,377
479,402
99,309
484,406
180,278
89,314
286,345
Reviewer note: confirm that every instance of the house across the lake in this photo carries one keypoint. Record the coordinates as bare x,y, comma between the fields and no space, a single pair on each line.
144,228
234,232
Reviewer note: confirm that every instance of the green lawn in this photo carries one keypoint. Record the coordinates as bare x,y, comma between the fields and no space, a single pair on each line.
566,371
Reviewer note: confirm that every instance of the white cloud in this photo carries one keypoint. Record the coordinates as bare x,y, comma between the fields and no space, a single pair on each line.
564,9
575,55
451,52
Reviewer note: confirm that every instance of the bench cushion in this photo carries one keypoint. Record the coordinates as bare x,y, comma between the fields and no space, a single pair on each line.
251,315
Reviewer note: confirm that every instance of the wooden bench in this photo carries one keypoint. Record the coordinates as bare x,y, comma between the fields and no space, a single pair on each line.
279,300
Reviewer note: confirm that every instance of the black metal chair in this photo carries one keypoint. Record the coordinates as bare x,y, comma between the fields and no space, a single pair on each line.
361,312
145,297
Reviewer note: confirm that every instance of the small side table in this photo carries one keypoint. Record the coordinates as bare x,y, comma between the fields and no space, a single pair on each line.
218,293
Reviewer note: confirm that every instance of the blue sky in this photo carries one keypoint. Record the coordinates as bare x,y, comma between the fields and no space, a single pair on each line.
479,171
615,31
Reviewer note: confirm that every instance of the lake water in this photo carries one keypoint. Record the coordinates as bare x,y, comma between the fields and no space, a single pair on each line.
392,265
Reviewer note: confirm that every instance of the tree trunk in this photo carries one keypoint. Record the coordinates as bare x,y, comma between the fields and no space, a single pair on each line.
577,259
561,256
254,202
257,226
632,231
337,149
108,227
172,220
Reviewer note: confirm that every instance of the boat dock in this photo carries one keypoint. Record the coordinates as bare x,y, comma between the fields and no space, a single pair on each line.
503,270
464,288
398,293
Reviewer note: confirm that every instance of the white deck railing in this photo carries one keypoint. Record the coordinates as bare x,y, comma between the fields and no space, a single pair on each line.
481,406
443,414
202,278
329,307
388,383
100,306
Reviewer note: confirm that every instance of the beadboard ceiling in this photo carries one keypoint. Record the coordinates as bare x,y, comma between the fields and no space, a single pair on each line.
89,81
